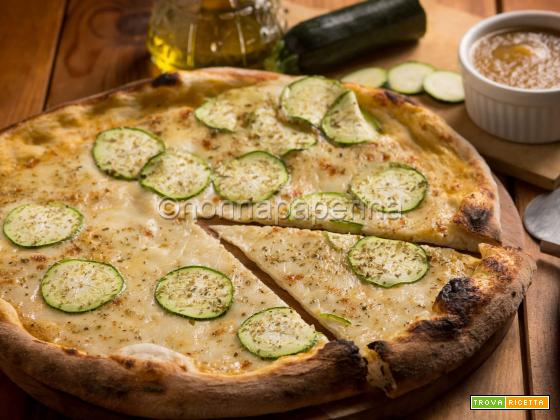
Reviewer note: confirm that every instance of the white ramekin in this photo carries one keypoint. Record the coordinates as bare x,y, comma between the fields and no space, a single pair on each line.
520,115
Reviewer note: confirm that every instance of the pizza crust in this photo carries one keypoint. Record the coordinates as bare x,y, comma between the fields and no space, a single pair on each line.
470,310
148,387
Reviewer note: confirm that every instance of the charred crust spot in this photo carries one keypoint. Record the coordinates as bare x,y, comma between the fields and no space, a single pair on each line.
128,363
499,268
70,351
460,297
291,394
166,79
110,390
347,345
349,358
380,347
441,329
476,218
397,98
154,388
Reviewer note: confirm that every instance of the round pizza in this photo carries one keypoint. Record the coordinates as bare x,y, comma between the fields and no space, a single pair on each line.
379,221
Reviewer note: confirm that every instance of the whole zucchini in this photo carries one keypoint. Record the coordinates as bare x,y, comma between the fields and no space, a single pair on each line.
317,44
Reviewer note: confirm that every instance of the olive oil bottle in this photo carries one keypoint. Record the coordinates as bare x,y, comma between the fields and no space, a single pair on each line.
186,34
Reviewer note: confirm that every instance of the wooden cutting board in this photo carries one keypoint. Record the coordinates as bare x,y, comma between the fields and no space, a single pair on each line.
537,164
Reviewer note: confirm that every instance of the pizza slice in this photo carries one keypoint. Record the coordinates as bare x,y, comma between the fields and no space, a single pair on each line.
154,317
338,157
261,147
415,311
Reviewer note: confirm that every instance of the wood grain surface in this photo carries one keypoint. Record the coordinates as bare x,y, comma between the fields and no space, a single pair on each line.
57,50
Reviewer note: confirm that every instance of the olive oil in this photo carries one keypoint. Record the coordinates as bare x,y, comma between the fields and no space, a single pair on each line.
186,34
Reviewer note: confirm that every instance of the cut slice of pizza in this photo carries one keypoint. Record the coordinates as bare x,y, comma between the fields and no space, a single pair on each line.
406,174
403,172
415,312
154,317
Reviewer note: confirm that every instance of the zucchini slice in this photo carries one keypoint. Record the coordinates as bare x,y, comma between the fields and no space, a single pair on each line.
195,292
390,188
217,113
176,175
341,241
123,152
344,226
330,210
253,177
408,77
76,285
37,225
276,136
346,124
335,318
276,332
371,77
445,86
309,98
387,262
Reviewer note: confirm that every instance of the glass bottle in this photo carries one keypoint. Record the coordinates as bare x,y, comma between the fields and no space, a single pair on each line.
185,34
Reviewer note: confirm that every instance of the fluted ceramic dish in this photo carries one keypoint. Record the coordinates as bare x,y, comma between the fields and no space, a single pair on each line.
515,114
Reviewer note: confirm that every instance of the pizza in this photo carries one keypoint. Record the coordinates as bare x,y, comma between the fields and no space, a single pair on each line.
114,290
446,306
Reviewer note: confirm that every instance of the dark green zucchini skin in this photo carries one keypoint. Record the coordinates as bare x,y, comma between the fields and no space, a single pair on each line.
318,44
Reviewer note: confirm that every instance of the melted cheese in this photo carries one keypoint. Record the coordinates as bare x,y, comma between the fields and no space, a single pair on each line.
123,228
328,168
318,276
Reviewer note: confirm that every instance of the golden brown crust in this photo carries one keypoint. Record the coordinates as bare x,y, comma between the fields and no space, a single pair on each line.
166,390
470,311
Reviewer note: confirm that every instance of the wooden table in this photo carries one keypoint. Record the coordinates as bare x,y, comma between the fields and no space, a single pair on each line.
57,50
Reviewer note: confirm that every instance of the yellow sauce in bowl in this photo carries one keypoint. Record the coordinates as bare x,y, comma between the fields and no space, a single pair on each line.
527,58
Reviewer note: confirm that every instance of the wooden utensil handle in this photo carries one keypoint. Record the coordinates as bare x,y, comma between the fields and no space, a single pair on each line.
550,248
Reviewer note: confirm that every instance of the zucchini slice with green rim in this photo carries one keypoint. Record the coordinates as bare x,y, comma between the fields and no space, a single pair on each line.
346,124
408,77
123,152
331,210
445,86
195,292
390,187
387,262
37,225
335,318
309,98
275,136
341,241
371,77
253,177
344,226
217,113
276,332
76,285
176,175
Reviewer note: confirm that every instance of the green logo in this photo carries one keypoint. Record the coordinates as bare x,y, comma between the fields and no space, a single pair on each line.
480,402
